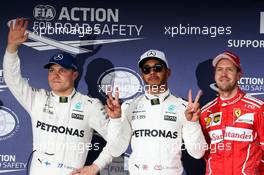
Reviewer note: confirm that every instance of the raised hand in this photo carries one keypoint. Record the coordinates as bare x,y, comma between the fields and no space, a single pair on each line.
87,170
193,111
113,107
17,34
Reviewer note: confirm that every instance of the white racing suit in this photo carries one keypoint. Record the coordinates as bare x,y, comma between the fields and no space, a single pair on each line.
62,127
156,125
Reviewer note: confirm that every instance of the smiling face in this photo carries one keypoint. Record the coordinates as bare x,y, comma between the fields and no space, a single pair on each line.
157,75
227,76
61,80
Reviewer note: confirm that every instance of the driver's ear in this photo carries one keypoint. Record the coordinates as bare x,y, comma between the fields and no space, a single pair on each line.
168,72
75,74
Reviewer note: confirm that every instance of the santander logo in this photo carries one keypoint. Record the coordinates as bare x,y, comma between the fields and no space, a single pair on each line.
231,133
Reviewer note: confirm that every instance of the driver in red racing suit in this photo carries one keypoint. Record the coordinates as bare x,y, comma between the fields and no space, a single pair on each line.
233,123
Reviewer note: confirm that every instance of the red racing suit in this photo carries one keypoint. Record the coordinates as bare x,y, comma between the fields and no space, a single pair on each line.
234,130
261,165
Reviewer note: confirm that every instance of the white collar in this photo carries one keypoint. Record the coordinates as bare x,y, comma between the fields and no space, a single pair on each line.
162,96
63,99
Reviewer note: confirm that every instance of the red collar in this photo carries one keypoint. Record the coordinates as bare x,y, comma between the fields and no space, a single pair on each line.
233,100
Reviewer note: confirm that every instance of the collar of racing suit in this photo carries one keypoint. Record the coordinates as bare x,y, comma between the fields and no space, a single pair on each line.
57,98
162,96
233,100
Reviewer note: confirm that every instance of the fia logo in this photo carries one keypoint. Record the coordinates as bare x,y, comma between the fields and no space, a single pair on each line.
44,12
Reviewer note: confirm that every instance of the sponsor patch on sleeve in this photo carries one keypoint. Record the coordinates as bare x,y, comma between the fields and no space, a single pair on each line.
213,119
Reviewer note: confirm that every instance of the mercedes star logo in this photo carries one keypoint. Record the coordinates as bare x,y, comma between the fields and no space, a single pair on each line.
58,57
151,53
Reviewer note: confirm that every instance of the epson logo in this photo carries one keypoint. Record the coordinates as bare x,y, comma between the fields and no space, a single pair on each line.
44,12
77,116
170,118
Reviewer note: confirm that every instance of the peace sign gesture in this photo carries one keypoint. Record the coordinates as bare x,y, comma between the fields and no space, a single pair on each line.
113,107
193,111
